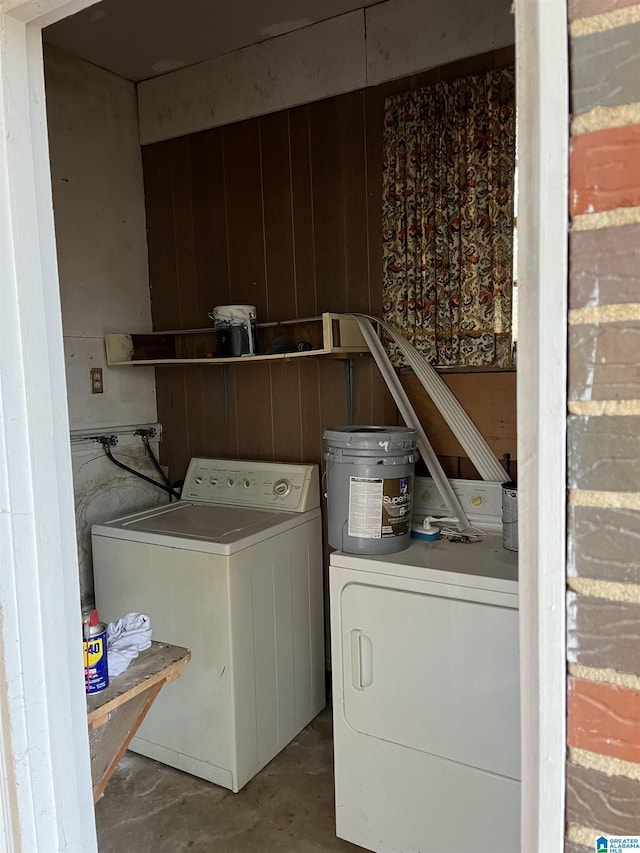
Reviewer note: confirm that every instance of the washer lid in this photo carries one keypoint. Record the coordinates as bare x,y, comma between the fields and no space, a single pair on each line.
210,524
198,527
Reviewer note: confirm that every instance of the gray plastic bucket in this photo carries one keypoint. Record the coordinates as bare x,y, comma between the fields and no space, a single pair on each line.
370,487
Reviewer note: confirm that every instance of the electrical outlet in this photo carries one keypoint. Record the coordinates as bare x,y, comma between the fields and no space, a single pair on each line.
95,374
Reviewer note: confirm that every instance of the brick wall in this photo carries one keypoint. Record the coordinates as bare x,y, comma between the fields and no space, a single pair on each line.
603,768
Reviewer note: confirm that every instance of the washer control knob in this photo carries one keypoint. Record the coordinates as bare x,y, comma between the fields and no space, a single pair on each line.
197,480
213,481
230,481
247,484
282,488
476,501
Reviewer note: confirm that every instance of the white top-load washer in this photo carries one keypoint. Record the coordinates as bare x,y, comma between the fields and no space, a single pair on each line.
425,671
232,571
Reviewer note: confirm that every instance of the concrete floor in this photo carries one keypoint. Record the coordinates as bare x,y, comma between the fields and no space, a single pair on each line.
287,808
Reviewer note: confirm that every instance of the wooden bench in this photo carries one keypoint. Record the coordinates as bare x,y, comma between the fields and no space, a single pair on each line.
115,714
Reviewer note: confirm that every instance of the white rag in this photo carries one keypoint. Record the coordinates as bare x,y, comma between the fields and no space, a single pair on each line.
125,638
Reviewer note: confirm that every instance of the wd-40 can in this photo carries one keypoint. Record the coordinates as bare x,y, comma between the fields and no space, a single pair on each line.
96,668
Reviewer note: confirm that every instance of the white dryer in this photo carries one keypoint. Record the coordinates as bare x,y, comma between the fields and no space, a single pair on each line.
425,672
232,571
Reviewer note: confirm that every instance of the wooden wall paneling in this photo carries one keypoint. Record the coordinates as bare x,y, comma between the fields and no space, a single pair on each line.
451,466
284,212
245,227
156,161
278,220
333,398
392,415
302,207
362,402
328,206
383,409
351,118
462,68
488,398
195,423
183,223
221,440
378,391
374,114
253,412
467,470
209,222
285,404
310,422
423,78
333,412
505,56
172,414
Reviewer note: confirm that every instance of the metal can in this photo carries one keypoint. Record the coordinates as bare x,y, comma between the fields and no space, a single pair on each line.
510,516
96,667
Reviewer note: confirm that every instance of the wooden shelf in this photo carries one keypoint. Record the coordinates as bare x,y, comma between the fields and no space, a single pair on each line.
115,714
334,335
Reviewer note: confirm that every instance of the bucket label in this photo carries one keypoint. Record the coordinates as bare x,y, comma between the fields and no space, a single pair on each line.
379,508
396,506
365,502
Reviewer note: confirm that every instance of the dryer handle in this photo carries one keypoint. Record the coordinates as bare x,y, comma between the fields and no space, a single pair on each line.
361,660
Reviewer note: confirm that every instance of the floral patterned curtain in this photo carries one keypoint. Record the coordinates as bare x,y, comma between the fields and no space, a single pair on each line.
449,160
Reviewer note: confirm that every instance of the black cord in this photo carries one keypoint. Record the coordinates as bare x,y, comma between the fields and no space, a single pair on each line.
158,467
105,442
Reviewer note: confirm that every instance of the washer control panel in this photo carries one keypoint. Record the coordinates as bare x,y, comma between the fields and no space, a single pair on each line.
262,485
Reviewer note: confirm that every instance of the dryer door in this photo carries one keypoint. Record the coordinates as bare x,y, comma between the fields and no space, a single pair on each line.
433,673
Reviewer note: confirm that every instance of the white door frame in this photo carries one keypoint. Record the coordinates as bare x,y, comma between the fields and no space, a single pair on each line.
543,156
46,800
45,784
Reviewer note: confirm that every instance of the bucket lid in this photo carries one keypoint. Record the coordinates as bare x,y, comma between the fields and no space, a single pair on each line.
231,313
371,437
